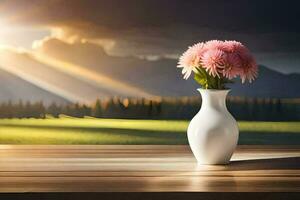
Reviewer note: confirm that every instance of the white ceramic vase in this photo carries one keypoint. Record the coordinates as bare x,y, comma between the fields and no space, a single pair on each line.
213,132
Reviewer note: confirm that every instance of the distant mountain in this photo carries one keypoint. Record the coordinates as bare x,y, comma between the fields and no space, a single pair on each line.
51,79
82,72
270,83
13,88
162,78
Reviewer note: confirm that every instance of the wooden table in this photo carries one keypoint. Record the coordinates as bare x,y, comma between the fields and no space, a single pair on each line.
144,168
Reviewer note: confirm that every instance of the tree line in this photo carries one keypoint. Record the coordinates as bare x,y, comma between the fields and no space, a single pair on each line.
260,109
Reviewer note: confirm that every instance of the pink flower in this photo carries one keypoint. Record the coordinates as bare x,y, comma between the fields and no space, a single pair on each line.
186,62
233,65
213,44
198,49
190,59
232,46
249,69
213,61
239,62
222,59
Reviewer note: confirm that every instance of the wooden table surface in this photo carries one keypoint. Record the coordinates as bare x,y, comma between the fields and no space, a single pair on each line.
145,168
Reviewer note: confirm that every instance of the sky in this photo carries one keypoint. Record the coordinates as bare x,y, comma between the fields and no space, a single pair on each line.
155,29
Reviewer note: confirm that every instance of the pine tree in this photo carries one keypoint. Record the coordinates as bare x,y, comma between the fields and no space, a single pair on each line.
97,111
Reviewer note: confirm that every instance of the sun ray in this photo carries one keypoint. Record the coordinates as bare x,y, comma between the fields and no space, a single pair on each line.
7,63
91,77
43,84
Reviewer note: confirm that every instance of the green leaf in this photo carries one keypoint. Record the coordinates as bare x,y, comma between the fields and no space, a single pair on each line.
202,72
209,82
213,82
199,78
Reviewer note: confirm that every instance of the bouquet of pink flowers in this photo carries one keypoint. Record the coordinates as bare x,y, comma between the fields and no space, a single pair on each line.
216,63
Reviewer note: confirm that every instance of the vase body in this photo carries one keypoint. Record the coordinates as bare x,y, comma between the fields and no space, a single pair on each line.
213,132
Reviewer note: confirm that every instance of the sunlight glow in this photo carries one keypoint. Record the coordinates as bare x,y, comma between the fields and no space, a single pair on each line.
25,40
43,84
7,63
20,36
4,30
91,77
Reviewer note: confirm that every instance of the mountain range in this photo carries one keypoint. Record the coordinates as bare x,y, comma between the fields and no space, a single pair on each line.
81,72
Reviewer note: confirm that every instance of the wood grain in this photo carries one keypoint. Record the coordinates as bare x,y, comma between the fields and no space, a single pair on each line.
145,168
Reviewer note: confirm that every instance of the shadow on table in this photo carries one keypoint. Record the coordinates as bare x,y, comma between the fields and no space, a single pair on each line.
266,163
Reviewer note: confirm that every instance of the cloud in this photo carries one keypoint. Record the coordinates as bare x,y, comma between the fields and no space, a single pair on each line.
170,41
119,15
160,29
143,25
130,71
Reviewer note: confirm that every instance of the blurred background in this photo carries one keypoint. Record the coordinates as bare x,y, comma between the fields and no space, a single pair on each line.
104,72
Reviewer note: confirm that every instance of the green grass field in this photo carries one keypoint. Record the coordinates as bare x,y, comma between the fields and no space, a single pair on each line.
117,131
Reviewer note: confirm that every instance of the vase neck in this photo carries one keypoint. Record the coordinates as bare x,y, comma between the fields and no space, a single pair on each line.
214,98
